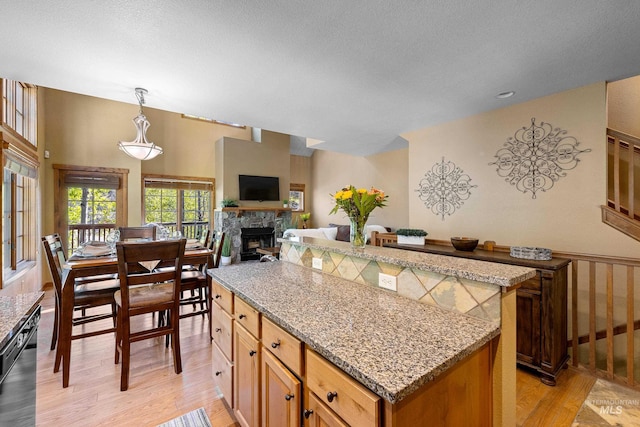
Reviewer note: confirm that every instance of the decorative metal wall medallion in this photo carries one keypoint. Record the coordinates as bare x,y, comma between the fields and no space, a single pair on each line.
536,157
444,188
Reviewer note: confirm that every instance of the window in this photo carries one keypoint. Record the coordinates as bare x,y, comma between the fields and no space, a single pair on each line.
19,109
19,223
19,160
178,203
90,202
296,197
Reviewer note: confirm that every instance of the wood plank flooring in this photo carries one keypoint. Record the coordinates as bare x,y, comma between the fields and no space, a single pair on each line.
156,394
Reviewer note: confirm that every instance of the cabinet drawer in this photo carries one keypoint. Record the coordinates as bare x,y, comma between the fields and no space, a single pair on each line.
247,316
222,374
283,345
222,296
351,401
222,330
532,284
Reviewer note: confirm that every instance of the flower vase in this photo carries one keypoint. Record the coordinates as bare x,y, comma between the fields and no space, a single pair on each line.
357,236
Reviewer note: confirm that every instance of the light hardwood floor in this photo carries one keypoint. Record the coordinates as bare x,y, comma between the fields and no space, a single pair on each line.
156,394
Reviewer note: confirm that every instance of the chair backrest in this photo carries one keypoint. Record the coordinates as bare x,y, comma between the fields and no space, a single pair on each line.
205,239
379,239
56,258
131,255
128,233
216,246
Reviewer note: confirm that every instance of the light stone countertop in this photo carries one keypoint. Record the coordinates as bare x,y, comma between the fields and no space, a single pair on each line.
13,309
390,344
504,275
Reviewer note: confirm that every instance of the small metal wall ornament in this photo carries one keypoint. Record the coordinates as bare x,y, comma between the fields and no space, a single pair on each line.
536,157
444,188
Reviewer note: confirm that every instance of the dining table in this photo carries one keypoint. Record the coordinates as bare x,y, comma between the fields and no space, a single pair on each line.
86,264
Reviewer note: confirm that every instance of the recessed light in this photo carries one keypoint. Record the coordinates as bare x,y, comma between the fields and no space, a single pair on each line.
504,95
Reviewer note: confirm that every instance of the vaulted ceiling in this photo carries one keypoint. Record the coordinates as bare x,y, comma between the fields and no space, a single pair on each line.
354,74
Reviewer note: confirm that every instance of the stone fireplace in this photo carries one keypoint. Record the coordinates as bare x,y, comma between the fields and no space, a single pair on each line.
267,223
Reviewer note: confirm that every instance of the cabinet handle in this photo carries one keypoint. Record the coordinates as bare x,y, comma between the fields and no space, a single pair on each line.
252,352
218,296
218,330
307,413
275,344
242,316
331,395
218,373
288,396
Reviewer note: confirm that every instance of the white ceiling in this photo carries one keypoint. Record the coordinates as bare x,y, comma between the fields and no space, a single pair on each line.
353,73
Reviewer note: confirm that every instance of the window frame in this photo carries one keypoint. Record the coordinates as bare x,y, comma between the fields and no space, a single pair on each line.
180,184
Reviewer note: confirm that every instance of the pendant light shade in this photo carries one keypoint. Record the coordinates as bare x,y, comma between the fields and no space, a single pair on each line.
140,148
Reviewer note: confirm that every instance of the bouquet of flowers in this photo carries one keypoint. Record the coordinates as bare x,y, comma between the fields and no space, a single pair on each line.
358,203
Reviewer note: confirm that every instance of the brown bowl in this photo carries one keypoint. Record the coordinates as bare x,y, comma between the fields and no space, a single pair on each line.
464,243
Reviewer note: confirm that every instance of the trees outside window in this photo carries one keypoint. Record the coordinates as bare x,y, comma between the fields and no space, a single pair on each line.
178,203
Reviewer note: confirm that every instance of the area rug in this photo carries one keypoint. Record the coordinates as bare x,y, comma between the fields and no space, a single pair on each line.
195,418
609,404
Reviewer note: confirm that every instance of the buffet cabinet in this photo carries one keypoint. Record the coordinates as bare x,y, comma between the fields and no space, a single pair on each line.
541,308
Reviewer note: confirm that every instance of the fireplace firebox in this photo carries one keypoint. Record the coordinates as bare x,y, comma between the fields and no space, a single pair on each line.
253,239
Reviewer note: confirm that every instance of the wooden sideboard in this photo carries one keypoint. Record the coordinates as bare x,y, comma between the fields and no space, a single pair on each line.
541,304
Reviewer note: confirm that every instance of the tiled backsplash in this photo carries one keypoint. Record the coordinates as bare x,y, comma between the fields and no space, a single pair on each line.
477,299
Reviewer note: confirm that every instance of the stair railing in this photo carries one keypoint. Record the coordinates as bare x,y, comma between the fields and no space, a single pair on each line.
623,148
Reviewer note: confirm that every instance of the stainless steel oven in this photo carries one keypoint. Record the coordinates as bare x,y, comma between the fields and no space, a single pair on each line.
18,360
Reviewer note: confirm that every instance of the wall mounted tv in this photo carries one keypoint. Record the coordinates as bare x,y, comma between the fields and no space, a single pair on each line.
262,188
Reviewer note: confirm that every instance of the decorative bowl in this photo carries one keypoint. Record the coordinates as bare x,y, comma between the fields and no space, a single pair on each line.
464,243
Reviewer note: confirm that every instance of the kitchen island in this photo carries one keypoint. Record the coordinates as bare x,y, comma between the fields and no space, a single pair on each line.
396,347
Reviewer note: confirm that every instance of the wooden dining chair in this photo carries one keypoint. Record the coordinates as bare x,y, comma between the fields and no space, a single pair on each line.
89,292
148,292
130,233
196,282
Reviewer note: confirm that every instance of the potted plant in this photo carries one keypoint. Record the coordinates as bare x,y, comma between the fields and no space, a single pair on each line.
411,236
228,203
285,203
225,253
305,217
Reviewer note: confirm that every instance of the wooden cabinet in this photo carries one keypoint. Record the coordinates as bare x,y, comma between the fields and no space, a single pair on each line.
222,335
246,382
541,318
541,308
281,394
347,398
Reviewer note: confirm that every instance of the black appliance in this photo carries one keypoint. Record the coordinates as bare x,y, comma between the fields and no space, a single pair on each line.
18,359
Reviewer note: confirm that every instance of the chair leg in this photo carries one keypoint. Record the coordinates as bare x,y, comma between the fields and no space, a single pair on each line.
118,337
126,352
175,337
56,325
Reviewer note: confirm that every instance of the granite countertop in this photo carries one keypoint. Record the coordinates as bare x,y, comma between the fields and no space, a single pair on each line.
390,344
490,272
13,309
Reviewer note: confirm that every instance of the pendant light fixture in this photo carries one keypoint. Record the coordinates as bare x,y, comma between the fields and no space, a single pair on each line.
140,148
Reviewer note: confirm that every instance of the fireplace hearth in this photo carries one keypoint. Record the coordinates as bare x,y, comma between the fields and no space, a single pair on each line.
253,239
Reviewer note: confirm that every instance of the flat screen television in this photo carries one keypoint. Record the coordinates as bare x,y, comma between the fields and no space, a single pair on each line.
262,188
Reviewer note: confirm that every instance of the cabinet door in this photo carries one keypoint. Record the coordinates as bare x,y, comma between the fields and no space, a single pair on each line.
528,327
318,415
222,374
246,378
281,394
